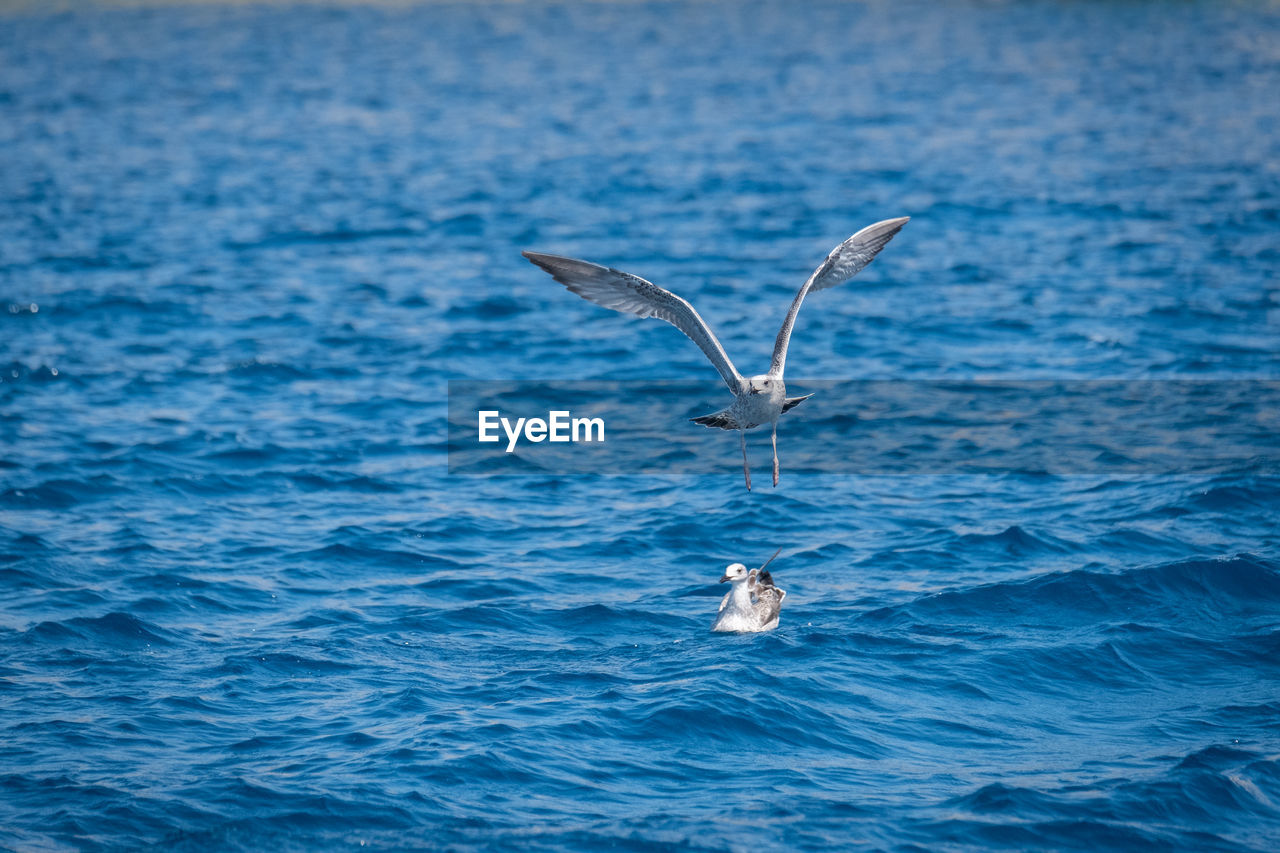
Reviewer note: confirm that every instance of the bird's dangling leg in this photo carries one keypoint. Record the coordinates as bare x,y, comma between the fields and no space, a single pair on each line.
746,472
775,454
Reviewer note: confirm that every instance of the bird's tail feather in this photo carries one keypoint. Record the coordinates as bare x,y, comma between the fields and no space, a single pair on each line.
721,419
792,402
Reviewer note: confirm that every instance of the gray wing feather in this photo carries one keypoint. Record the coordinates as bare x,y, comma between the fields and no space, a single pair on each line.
631,294
768,604
844,262
768,598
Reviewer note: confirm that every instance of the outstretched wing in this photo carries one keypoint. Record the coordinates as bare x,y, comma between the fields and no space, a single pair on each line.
631,294
844,262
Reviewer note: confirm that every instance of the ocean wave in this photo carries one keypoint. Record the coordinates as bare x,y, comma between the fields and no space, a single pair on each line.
1198,592
254,599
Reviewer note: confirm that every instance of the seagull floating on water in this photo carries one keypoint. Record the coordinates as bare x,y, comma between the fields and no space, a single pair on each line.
761,399
753,603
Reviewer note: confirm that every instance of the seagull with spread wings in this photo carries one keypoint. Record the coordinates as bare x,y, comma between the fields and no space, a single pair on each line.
760,399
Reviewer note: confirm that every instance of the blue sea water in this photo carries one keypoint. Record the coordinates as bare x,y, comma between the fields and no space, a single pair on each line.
247,605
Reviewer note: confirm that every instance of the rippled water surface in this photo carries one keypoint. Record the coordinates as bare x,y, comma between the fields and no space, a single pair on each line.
247,605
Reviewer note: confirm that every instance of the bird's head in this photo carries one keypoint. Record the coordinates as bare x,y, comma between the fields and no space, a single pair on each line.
760,384
736,572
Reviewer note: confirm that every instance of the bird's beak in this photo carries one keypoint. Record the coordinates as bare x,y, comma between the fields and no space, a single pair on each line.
724,578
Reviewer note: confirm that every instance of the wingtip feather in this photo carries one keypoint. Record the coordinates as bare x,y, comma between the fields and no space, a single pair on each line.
890,226
541,259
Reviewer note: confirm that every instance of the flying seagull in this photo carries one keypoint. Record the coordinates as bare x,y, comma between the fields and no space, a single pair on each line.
753,602
761,399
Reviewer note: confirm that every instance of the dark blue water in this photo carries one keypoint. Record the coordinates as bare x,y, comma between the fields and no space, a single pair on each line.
247,606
